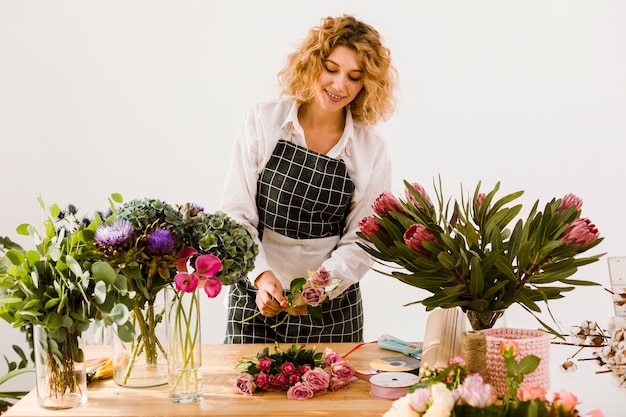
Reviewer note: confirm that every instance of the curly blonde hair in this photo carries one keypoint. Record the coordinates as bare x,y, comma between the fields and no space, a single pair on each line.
375,101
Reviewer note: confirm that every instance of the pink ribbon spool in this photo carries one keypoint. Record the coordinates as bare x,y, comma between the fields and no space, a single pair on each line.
391,385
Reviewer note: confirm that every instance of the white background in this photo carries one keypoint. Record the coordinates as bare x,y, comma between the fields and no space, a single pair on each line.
143,98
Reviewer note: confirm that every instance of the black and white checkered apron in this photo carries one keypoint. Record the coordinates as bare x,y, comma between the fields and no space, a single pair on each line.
301,194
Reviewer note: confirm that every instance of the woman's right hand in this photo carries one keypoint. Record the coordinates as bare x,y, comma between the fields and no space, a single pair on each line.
270,298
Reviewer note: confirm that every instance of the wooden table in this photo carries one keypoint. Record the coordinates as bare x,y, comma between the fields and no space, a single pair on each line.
105,398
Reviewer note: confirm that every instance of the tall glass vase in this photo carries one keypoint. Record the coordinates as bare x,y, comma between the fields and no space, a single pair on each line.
59,368
184,346
142,362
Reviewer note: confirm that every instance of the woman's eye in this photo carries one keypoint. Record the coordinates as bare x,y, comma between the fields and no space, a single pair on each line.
331,70
355,79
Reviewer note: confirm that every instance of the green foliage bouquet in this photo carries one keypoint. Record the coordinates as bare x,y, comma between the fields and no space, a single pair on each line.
59,286
466,256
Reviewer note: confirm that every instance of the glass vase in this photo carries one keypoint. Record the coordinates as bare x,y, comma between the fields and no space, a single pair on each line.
141,362
184,346
482,320
61,379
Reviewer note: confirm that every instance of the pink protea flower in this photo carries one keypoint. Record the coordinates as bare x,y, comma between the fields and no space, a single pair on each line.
385,203
570,200
580,232
369,226
415,235
422,192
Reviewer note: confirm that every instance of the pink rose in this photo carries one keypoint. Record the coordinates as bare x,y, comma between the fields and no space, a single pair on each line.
594,413
244,384
369,226
320,278
313,296
288,368
419,399
531,393
337,384
385,203
331,356
261,380
304,369
342,369
580,232
317,379
509,348
415,235
459,360
264,364
299,391
565,400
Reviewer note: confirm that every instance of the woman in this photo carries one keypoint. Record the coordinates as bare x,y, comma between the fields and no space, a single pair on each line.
305,170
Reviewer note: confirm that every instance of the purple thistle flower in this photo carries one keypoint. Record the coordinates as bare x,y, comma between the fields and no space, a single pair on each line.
114,234
161,242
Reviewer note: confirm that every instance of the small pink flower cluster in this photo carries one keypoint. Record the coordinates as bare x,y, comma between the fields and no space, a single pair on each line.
301,381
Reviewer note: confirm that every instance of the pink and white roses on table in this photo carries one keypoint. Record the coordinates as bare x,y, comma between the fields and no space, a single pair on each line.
302,373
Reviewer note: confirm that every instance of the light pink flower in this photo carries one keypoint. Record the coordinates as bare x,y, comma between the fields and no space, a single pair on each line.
476,393
459,360
442,401
317,379
342,369
369,226
415,235
330,356
244,384
531,393
313,296
385,203
565,400
299,391
580,232
419,399
320,278
570,200
337,384
594,413
422,192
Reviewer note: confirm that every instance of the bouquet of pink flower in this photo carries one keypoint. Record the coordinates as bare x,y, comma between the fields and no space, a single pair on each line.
454,391
303,373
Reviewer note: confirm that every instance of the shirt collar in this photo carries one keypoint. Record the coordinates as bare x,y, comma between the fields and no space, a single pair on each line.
291,120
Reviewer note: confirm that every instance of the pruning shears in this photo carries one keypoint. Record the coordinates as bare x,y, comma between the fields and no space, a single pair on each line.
393,343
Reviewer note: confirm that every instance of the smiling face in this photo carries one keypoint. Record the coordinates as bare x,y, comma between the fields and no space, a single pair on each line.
340,81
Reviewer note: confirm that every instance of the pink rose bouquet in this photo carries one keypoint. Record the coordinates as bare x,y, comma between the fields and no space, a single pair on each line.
302,373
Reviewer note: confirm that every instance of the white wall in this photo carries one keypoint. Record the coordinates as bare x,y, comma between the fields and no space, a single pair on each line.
144,97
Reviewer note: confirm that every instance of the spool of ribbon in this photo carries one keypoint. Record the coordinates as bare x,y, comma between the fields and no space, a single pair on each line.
391,385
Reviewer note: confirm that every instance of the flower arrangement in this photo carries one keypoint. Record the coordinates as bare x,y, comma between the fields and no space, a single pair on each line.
455,391
151,243
466,256
303,373
311,292
59,287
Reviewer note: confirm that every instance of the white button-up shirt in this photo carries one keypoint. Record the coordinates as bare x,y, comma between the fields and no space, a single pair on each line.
365,154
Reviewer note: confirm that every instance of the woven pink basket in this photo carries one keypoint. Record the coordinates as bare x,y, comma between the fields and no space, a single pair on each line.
530,342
